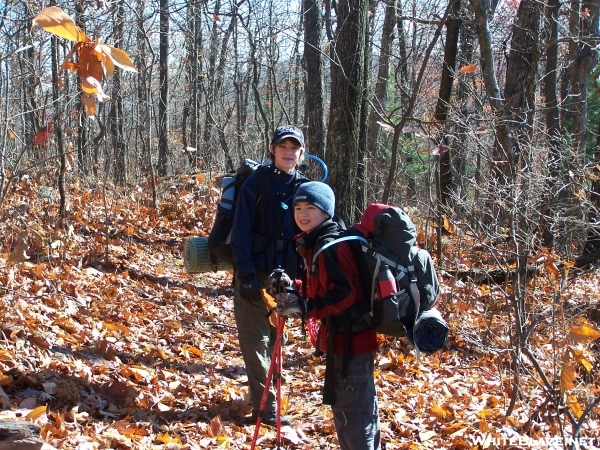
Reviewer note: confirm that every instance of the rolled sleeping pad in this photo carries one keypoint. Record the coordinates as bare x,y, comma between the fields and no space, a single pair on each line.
429,332
197,257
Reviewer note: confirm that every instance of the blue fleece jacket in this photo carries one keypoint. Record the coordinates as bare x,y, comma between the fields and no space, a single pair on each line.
246,223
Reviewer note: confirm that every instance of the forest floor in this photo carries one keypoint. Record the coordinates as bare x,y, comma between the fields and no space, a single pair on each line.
107,342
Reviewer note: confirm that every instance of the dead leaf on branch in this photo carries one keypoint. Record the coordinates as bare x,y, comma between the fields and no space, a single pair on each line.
583,333
567,377
96,61
54,20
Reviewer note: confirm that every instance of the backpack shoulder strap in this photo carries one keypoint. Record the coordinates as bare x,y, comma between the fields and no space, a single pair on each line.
337,241
263,191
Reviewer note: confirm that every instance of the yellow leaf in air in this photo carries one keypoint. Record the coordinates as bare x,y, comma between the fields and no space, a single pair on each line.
119,57
37,412
54,20
471,68
449,226
583,334
567,377
11,134
200,178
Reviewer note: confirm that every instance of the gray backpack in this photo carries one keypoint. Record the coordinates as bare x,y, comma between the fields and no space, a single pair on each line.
387,236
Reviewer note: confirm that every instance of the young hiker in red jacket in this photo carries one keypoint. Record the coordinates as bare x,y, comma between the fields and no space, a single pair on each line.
332,286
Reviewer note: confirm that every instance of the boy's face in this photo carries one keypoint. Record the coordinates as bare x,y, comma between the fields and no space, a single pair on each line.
308,216
287,154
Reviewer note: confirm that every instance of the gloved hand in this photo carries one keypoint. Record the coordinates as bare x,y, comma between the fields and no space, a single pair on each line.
250,289
279,281
290,304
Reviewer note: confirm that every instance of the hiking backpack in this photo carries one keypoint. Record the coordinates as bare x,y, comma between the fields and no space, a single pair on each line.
385,238
219,239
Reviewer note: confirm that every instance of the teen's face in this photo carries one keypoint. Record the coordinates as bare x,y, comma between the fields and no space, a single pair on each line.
308,216
287,154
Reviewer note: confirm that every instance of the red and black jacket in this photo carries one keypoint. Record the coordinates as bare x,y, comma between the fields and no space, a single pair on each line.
334,287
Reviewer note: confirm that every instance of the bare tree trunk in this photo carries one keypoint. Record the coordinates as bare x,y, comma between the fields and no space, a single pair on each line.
116,110
444,178
30,83
521,75
552,122
163,101
379,99
583,56
347,81
57,120
315,66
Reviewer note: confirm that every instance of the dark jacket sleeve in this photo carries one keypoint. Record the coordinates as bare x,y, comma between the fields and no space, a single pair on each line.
336,276
241,232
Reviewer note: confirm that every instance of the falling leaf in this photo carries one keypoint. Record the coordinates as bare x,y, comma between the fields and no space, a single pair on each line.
583,334
43,135
449,226
36,413
200,178
54,20
11,134
471,68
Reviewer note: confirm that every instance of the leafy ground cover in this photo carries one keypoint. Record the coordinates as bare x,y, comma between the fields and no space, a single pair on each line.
107,342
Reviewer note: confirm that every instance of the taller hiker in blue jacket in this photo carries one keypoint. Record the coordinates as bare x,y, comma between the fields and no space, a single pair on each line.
262,239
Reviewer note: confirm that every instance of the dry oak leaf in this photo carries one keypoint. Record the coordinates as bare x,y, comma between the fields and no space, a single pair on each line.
54,20
43,135
567,377
583,333
19,254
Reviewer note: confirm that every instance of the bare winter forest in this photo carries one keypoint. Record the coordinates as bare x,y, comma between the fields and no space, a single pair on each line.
479,117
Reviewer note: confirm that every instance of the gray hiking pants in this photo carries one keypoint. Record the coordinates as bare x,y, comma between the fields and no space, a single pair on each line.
257,338
355,412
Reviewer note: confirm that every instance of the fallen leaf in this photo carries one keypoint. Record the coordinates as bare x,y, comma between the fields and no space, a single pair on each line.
36,413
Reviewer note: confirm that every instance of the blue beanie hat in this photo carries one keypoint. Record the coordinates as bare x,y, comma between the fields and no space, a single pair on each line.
318,194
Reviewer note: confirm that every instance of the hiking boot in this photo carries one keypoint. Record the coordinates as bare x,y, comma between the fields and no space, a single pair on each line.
270,418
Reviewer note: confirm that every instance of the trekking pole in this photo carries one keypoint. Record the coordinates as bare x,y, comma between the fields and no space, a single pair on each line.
275,366
275,362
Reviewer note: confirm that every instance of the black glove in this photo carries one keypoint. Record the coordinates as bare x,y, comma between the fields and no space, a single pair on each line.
279,281
250,289
290,304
